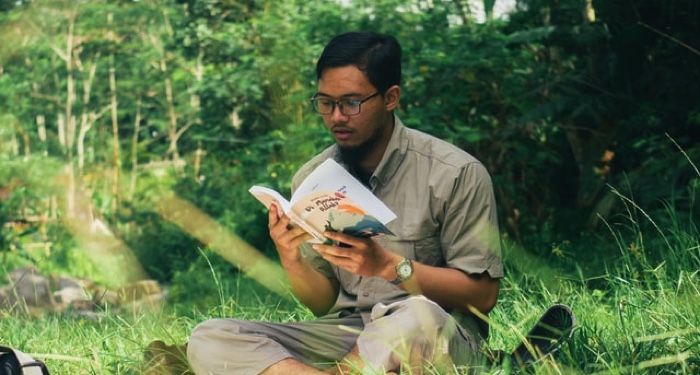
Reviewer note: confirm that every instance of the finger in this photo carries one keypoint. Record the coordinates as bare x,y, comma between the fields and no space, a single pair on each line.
272,216
280,227
344,238
290,234
275,214
299,240
334,251
344,263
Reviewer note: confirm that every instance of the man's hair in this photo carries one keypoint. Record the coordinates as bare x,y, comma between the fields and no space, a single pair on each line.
377,55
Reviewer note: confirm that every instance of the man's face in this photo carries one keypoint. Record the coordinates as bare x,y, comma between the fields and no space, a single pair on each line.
363,129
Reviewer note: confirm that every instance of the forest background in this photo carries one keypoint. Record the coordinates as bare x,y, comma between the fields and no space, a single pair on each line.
147,121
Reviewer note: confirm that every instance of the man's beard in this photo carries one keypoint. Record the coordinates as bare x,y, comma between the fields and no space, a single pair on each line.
354,155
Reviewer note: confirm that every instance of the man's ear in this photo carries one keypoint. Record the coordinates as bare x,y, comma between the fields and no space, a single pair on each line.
392,97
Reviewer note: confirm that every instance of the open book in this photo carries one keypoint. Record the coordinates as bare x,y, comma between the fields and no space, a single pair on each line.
330,198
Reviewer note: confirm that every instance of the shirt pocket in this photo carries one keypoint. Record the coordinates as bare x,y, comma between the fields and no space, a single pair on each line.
405,248
419,228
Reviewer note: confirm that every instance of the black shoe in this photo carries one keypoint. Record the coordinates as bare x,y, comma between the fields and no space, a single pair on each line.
549,333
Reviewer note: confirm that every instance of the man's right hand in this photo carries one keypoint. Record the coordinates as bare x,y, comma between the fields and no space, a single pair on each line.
287,237
313,289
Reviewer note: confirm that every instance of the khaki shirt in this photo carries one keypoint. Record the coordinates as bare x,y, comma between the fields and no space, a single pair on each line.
445,208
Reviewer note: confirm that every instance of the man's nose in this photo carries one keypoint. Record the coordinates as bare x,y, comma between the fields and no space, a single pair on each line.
337,115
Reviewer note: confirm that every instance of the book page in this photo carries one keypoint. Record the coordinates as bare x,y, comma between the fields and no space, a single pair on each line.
268,196
331,177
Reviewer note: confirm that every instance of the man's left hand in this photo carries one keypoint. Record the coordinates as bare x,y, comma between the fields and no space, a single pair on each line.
361,256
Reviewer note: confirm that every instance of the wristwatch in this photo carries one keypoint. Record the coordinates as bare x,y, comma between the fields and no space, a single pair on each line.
404,271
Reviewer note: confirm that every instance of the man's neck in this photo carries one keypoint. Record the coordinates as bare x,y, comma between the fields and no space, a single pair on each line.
369,163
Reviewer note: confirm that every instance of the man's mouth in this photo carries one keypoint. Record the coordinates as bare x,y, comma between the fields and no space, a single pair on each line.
342,134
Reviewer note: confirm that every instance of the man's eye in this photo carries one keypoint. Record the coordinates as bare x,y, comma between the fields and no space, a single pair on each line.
324,102
351,103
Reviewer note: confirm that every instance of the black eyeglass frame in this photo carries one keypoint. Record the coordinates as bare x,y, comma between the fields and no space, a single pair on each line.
341,104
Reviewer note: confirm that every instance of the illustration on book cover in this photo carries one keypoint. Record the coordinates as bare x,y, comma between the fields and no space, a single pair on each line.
330,198
334,211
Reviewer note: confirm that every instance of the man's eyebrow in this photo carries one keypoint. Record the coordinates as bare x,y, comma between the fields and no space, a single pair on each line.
348,95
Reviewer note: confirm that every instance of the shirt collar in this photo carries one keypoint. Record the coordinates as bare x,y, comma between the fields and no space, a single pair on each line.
393,155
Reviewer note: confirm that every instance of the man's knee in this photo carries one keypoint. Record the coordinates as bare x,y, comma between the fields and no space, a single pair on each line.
417,329
421,317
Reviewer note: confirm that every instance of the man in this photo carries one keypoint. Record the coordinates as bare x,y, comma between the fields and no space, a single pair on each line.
388,302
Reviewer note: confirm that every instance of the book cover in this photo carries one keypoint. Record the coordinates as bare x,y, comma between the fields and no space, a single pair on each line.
330,198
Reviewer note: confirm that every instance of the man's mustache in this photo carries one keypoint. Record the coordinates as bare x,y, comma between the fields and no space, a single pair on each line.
341,128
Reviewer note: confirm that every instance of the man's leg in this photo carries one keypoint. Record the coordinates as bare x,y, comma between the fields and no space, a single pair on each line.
230,346
415,333
292,366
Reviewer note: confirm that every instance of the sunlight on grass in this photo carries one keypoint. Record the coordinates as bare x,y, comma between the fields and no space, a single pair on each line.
231,247
638,310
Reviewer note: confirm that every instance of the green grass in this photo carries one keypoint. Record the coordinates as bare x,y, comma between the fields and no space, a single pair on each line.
115,343
628,328
637,312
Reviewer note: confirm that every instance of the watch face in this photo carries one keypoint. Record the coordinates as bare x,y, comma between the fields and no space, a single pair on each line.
404,270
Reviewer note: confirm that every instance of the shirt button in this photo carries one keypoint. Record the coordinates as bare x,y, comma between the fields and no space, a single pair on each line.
365,294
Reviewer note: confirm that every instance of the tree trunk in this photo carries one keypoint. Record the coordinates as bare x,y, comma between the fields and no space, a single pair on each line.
198,156
61,125
173,134
87,118
172,114
115,124
589,12
25,143
66,122
70,87
464,10
488,8
135,150
41,132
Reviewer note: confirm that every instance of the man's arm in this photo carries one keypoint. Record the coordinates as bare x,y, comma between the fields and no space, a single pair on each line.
469,240
453,289
470,244
311,287
450,288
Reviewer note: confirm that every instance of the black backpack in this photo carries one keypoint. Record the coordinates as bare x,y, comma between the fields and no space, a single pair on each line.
14,362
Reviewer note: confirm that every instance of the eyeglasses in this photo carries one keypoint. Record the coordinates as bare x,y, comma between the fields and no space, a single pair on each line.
348,107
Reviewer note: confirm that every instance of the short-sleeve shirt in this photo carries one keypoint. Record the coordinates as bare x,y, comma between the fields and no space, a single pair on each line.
445,208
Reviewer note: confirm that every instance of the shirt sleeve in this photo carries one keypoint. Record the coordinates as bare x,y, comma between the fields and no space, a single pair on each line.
470,235
316,261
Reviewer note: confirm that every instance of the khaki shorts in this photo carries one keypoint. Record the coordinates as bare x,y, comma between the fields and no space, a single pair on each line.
414,331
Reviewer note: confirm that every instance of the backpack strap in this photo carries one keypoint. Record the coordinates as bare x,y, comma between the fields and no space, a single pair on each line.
14,362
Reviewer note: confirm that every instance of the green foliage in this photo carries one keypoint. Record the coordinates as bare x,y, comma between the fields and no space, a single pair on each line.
602,89
589,128
161,247
565,111
22,193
